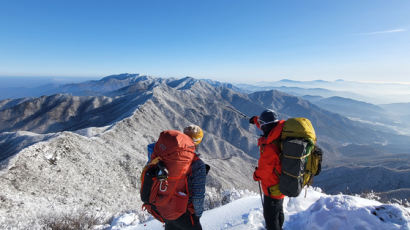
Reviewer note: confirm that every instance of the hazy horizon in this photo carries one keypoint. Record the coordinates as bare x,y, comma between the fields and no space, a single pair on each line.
15,81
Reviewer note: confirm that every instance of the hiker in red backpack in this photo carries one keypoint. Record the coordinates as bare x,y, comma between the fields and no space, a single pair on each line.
171,211
269,167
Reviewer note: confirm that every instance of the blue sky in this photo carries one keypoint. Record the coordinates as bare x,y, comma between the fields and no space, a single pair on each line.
228,40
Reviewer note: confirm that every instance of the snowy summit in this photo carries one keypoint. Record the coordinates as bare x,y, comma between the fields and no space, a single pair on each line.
316,211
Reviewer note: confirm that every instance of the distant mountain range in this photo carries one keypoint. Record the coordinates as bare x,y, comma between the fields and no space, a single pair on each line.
392,117
371,92
77,147
359,101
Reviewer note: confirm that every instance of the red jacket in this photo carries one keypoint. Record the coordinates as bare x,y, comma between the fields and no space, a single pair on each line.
269,167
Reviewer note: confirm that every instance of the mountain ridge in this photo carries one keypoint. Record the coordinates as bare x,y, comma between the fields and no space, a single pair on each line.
109,155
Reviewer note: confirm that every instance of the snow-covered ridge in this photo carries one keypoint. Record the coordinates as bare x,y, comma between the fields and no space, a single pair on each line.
95,166
97,170
318,211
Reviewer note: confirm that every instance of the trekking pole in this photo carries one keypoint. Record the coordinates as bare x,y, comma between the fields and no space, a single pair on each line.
246,117
260,192
237,111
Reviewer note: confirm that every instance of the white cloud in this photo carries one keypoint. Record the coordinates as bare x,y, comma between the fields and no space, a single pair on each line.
384,32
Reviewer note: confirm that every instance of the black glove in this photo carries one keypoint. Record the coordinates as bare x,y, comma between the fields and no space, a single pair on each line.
207,168
252,120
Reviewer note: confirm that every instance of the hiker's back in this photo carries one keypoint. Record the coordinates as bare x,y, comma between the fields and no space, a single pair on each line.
298,159
169,196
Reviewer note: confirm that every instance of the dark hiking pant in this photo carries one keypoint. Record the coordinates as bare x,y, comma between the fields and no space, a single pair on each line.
273,213
185,222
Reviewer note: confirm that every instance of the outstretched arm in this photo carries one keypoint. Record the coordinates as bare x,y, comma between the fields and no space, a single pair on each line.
254,120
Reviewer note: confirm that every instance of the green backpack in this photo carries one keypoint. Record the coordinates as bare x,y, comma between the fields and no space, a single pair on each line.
300,158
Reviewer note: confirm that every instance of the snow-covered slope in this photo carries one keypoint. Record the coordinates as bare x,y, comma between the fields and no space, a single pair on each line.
96,169
317,211
95,165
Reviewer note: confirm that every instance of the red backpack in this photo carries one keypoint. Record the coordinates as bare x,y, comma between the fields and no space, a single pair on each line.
164,187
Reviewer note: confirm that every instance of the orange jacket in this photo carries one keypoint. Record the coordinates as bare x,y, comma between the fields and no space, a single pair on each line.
269,167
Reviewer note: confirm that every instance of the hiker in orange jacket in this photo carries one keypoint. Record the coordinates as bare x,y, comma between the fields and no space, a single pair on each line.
269,167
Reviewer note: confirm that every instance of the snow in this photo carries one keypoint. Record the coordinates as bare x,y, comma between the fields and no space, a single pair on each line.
316,211
96,169
92,131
